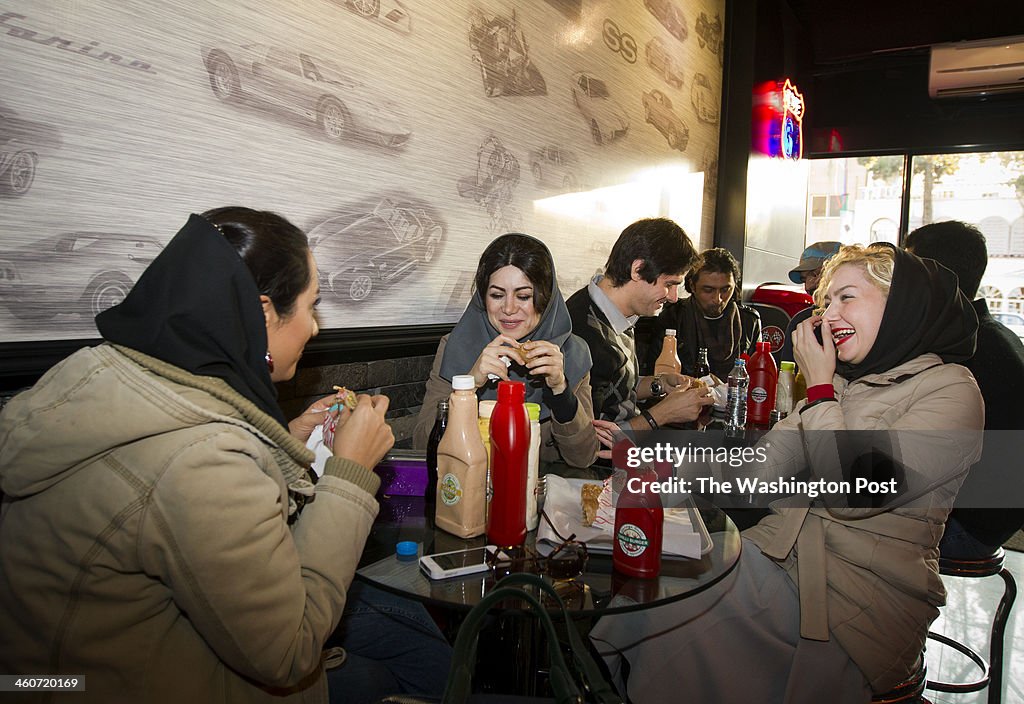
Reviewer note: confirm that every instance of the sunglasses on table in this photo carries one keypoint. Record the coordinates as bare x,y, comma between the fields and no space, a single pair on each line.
567,560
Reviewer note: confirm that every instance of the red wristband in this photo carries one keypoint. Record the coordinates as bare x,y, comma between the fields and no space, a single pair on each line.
820,391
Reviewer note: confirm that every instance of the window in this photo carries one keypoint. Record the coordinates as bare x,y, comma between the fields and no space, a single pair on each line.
988,192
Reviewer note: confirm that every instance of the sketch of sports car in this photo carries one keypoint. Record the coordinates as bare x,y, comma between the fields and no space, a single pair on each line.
317,90
390,13
499,47
709,34
555,167
662,62
74,272
21,141
670,16
360,250
607,119
658,111
703,99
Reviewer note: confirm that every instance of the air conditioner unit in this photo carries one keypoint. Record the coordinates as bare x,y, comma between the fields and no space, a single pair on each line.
977,68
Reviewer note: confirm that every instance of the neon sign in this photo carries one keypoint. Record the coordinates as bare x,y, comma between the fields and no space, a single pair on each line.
778,120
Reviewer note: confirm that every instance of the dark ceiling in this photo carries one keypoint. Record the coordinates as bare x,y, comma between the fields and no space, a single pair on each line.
856,29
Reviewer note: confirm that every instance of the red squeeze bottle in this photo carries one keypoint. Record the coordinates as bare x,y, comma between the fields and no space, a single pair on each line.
510,451
639,522
764,377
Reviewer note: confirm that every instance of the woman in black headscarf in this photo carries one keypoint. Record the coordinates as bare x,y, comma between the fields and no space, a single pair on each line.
151,537
517,328
833,594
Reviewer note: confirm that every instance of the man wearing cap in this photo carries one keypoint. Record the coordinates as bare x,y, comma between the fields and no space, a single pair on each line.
808,273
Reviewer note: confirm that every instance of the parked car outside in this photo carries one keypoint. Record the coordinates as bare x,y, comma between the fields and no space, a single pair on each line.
317,90
670,16
555,167
658,112
74,272
703,100
1014,321
21,142
362,250
659,59
607,119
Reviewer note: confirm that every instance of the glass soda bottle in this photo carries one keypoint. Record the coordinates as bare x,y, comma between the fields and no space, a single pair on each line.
736,406
639,522
435,437
703,368
764,377
668,359
510,452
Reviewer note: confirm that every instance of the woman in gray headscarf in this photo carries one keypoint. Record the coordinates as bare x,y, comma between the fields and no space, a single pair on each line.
518,314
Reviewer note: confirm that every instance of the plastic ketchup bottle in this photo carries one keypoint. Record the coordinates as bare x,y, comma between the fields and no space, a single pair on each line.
510,452
764,377
639,520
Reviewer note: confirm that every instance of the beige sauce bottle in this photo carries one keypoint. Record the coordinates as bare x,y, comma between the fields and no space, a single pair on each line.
462,465
668,360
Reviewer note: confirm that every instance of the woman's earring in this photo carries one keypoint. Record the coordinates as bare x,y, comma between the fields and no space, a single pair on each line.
270,362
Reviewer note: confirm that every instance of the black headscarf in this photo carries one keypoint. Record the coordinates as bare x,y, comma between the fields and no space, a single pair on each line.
925,312
474,331
197,306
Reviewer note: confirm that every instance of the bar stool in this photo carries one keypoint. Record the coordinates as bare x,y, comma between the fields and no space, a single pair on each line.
991,675
909,691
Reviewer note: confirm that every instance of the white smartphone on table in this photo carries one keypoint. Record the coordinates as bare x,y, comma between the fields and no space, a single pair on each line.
456,563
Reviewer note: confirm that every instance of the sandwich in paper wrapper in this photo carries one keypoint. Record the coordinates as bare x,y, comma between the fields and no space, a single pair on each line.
570,503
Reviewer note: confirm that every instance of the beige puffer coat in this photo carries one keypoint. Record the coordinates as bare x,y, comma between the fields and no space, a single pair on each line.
144,539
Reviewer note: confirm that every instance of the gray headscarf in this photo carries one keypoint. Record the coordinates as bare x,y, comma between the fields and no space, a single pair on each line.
474,331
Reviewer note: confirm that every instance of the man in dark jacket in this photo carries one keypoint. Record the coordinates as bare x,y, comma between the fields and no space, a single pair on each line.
807,272
712,317
998,366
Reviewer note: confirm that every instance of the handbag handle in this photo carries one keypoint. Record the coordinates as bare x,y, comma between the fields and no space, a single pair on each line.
593,680
460,678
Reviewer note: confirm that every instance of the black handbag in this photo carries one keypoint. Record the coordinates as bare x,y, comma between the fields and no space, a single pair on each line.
581,682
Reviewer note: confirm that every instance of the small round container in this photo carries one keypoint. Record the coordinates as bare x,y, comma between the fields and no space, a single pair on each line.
407,550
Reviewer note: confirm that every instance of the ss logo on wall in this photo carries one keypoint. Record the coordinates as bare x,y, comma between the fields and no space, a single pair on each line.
619,41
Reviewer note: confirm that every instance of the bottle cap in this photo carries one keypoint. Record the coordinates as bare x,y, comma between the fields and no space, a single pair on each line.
670,332
788,366
740,362
486,408
443,404
764,346
463,382
533,409
406,549
514,391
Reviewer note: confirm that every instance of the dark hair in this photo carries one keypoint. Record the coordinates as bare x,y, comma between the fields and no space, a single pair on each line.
275,251
955,245
660,243
526,254
715,261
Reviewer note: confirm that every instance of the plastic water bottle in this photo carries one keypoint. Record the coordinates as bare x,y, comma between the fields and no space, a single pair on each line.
736,407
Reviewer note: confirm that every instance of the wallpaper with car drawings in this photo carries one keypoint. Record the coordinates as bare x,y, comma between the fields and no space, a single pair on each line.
402,135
